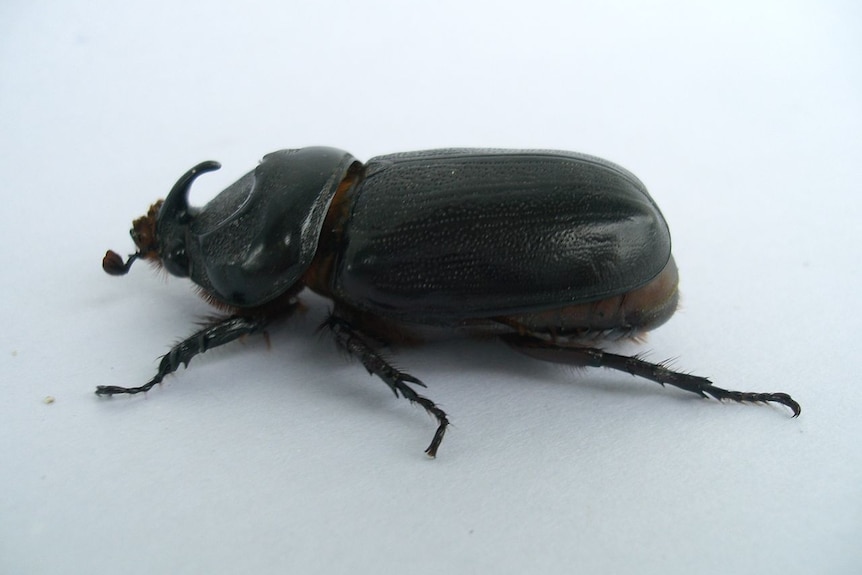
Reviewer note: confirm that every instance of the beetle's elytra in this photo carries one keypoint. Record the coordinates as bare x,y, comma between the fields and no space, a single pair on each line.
552,252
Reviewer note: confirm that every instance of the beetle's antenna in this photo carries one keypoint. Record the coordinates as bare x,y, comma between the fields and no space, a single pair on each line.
113,263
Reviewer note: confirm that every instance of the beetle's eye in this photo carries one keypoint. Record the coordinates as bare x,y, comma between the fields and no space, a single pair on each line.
177,262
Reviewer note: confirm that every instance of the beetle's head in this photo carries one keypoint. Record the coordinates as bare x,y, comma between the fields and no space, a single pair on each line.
160,235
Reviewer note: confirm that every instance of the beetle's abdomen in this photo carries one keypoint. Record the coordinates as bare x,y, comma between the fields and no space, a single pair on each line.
442,236
626,315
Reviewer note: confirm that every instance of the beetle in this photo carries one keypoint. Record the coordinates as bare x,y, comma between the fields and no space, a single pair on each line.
552,252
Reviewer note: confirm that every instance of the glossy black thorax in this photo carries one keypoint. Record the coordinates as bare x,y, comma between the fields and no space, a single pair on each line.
254,241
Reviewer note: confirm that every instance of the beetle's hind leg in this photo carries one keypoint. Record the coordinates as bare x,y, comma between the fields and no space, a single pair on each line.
217,333
560,352
363,347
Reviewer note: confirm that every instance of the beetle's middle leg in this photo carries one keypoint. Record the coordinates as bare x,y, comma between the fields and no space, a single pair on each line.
219,332
572,354
362,347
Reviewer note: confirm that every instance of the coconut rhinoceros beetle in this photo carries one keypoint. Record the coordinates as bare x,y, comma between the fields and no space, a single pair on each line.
552,252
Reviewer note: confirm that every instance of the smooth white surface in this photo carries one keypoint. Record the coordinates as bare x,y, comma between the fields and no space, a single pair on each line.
742,118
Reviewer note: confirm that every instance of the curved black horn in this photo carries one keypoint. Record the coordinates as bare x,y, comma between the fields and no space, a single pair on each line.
176,205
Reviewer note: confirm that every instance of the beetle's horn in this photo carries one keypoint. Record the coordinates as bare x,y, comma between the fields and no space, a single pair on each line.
176,205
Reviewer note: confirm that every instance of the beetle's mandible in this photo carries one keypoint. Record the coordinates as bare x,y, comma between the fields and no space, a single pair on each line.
552,252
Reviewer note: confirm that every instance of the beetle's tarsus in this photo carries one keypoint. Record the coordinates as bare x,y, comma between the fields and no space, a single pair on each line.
219,332
431,450
657,372
357,344
747,397
111,390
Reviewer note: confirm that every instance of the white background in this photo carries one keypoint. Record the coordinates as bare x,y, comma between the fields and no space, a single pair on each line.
743,119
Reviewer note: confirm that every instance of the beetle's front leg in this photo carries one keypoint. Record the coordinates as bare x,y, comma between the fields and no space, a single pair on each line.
218,333
360,345
658,372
